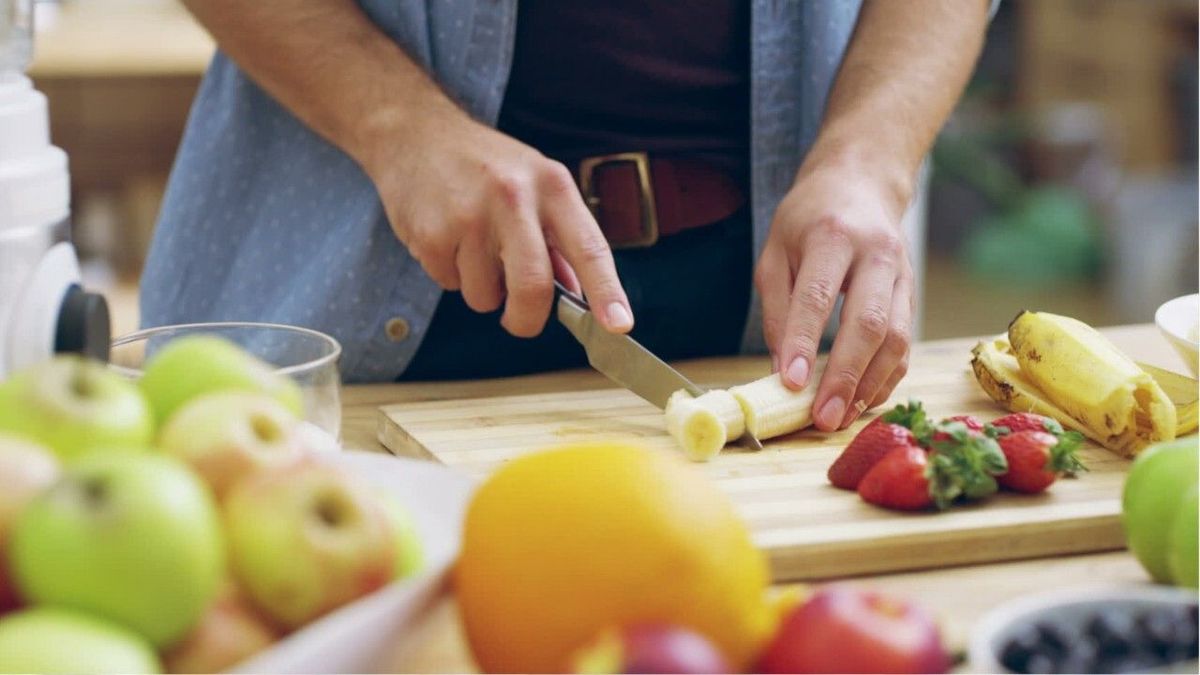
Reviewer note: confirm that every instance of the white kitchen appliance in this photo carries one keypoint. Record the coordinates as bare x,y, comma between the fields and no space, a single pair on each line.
43,308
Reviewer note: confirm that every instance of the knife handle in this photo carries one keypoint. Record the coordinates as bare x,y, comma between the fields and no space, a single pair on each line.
561,291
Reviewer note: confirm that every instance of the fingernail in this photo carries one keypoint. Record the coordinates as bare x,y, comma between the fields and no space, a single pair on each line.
798,371
833,411
618,317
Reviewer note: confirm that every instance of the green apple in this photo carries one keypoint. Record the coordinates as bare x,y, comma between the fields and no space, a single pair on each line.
230,632
1159,480
306,539
410,554
134,538
198,364
1183,547
26,469
73,405
226,436
56,640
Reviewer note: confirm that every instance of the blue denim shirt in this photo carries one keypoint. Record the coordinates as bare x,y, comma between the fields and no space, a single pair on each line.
265,221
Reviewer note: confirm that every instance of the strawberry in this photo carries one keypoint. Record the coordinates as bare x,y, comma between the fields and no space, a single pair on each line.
1024,421
964,463
1037,458
898,480
972,422
894,428
973,425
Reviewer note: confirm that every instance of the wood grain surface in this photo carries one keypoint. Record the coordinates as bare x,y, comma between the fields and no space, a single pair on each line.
809,529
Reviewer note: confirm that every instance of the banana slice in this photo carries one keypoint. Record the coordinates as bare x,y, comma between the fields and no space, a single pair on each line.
1091,380
703,425
772,409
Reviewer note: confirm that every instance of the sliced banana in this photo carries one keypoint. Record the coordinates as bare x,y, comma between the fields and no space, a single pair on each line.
703,425
1091,380
772,409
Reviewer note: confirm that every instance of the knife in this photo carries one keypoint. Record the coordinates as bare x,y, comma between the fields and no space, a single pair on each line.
624,360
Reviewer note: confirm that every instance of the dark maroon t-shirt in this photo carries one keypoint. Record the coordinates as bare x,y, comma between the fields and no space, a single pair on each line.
667,77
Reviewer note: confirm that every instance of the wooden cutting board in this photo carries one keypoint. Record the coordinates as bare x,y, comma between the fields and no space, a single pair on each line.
809,529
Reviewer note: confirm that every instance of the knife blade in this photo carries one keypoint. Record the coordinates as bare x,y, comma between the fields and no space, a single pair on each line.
623,359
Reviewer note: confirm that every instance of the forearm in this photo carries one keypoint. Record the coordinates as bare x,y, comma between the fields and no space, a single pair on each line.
330,66
906,66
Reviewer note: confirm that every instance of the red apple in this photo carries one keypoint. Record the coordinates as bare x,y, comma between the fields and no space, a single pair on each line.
306,539
25,470
229,435
230,632
846,630
650,648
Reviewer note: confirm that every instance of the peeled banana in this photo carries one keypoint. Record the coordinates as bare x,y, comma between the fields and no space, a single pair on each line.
1061,367
772,409
703,425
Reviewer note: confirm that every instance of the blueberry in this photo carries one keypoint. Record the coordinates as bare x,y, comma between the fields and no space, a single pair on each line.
1081,657
1054,638
1158,631
1040,663
1022,645
1112,631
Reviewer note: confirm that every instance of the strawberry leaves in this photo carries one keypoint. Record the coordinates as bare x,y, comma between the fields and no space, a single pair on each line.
911,416
1063,459
963,465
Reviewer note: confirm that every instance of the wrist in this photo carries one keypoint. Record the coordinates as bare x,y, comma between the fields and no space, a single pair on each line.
380,136
860,154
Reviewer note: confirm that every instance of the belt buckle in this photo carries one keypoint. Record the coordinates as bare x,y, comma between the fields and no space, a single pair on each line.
648,233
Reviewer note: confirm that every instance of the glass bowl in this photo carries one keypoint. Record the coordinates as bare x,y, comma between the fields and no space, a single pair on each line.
308,357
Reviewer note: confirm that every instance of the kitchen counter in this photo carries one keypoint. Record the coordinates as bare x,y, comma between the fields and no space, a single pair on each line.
958,595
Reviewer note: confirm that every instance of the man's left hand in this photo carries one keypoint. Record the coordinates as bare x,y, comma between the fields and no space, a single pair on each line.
838,230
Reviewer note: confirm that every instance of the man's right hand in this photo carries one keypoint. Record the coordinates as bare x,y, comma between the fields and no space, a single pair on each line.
494,218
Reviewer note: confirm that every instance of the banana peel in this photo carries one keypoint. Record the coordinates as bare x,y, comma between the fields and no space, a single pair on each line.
1000,376
1083,373
1064,369
1183,392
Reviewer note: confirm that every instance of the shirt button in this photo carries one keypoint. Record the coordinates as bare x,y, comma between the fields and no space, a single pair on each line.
396,329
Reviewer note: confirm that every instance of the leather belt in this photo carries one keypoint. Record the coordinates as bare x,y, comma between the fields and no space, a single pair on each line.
638,199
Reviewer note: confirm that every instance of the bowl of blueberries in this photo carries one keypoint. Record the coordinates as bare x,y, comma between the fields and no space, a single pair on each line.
1109,629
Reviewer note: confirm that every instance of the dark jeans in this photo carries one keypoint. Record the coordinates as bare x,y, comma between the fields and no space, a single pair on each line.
690,293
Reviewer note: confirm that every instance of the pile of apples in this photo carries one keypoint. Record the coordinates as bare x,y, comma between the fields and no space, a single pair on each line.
837,628
184,521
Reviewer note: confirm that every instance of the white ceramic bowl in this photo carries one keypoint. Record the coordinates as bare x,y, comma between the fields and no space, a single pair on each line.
1066,607
1179,321
363,637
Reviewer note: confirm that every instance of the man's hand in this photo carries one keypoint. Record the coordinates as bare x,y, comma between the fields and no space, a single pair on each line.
479,210
838,230
493,217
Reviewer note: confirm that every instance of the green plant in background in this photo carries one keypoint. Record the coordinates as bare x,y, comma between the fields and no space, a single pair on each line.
1036,235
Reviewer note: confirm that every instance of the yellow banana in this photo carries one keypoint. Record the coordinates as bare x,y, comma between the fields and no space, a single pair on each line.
1001,378
1183,393
1086,376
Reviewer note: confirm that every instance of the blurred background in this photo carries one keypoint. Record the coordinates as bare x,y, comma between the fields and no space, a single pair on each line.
1066,180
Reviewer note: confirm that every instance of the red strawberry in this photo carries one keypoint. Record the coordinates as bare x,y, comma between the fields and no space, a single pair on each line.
898,480
895,427
1024,421
1037,458
973,424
